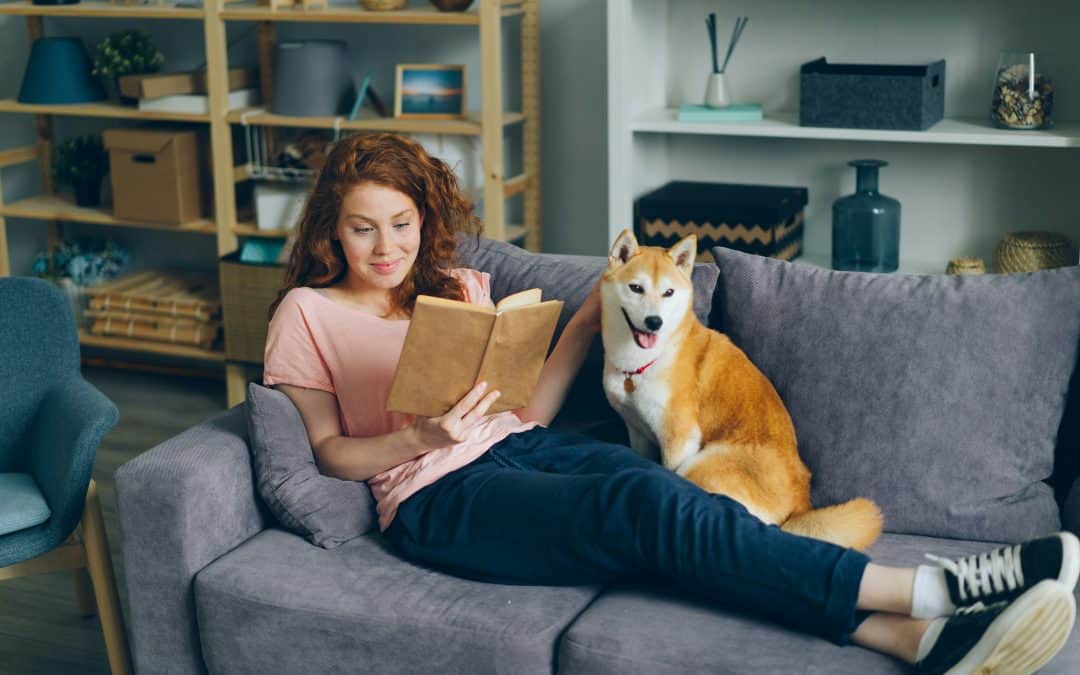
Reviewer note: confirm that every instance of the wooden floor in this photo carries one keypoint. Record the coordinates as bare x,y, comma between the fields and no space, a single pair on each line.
41,631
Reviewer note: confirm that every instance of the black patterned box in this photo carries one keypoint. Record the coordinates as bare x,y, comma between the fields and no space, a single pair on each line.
762,219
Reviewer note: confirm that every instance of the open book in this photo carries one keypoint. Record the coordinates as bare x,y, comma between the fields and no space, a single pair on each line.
452,345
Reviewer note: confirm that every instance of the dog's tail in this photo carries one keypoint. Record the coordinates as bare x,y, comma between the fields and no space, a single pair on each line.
854,524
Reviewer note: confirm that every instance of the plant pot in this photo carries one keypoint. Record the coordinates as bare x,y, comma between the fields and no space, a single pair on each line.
88,191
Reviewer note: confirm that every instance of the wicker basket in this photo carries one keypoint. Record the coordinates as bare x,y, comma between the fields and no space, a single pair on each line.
246,293
1030,251
383,5
966,266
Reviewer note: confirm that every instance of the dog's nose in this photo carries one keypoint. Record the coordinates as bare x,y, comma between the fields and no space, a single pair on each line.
653,322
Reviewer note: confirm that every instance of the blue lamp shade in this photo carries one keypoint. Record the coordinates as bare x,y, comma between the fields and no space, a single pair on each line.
59,72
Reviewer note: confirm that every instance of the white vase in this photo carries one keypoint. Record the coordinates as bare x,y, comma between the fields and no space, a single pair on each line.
74,296
716,91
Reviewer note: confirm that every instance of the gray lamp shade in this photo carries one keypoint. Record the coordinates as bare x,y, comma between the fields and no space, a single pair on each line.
311,79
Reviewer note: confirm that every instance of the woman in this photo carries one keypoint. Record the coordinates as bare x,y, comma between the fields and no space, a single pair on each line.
501,498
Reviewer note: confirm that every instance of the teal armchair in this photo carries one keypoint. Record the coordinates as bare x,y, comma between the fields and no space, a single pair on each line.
51,422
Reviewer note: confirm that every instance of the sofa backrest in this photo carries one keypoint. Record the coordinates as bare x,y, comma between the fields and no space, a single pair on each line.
940,397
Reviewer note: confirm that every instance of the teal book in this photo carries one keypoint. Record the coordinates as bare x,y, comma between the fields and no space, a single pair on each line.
737,112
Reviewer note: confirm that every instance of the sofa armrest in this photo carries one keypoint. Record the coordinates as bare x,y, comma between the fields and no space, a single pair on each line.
1070,512
181,505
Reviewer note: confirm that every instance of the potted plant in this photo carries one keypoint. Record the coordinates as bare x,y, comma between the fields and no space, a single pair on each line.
82,163
73,265
128,52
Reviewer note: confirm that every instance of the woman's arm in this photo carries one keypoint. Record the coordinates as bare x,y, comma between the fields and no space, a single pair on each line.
565,362
361,458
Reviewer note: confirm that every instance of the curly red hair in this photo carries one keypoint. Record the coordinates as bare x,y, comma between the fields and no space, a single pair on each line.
401,164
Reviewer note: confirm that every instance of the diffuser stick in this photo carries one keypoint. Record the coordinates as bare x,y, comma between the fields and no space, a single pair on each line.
736,33
710,25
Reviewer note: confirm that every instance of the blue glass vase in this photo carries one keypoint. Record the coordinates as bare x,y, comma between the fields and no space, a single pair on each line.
866,225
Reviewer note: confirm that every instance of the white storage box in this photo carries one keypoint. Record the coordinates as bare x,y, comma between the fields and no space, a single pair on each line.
278,207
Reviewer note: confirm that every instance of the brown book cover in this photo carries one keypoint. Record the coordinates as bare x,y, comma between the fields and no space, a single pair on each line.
452,345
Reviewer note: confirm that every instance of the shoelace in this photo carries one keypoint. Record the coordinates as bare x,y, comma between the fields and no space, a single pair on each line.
991,572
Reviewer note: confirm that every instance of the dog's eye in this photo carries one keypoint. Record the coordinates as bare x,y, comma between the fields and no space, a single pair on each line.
669,292
636,289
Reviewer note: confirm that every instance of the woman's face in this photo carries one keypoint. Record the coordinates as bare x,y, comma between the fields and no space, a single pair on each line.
379,231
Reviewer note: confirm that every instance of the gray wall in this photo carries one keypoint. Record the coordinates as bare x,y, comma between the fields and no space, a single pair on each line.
573,104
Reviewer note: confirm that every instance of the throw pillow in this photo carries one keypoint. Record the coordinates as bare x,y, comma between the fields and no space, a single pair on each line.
939,397
326,511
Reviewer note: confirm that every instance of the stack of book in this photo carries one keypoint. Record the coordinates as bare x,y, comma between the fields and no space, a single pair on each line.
736,112
186,91
157,306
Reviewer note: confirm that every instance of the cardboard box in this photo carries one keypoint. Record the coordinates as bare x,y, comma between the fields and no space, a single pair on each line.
155,175
246,293
154,85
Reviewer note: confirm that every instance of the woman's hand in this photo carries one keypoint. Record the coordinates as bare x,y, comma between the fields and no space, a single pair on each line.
457,423
588,315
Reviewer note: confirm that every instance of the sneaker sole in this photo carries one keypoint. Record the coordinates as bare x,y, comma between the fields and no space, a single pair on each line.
1070,559
1025,636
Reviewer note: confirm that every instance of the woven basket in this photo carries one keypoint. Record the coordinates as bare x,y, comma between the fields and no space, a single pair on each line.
966,266
1030,251
383,5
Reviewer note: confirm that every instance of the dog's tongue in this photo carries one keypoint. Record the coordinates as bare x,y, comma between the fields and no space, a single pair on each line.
645,340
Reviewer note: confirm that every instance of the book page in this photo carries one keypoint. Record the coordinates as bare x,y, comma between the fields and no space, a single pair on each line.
516,352
443,350
529,297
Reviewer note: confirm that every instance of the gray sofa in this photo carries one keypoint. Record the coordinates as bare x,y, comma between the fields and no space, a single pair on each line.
215,585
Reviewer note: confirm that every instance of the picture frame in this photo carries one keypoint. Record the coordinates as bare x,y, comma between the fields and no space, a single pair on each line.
430,91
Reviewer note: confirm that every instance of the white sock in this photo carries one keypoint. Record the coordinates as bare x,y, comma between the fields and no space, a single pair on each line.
930,596
929,638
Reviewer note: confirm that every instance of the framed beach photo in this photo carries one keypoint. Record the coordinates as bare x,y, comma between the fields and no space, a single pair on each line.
429,91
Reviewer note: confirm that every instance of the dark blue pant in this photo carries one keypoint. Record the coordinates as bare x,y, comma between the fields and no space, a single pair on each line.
543,507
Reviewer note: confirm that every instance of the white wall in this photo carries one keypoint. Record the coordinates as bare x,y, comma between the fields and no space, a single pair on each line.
573,82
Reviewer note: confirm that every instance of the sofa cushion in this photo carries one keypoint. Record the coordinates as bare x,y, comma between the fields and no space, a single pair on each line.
939,397
649,631
568,278
326,510
276,604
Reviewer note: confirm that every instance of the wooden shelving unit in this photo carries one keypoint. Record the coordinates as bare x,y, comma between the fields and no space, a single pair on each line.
55,207
489,124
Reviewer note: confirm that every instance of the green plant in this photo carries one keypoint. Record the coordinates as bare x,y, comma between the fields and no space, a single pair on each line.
80,158
129,52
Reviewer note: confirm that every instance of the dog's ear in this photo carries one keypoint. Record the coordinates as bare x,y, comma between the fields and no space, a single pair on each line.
683,254
623,249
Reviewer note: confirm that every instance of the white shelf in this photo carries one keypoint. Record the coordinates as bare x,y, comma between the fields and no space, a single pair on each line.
963,131
962,184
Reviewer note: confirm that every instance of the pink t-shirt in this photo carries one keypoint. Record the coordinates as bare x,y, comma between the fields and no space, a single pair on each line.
319,343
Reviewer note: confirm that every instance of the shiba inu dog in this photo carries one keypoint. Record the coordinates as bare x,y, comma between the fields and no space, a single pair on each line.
693,400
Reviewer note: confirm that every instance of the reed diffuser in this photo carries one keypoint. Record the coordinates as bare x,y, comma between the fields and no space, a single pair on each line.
716,89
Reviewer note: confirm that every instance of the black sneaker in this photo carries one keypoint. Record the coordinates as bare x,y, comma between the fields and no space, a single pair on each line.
1006,572
1007,638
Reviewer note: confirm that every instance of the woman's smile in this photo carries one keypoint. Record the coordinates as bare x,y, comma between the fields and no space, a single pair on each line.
385,267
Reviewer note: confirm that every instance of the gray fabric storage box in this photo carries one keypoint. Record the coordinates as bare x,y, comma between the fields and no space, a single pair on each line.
863,96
